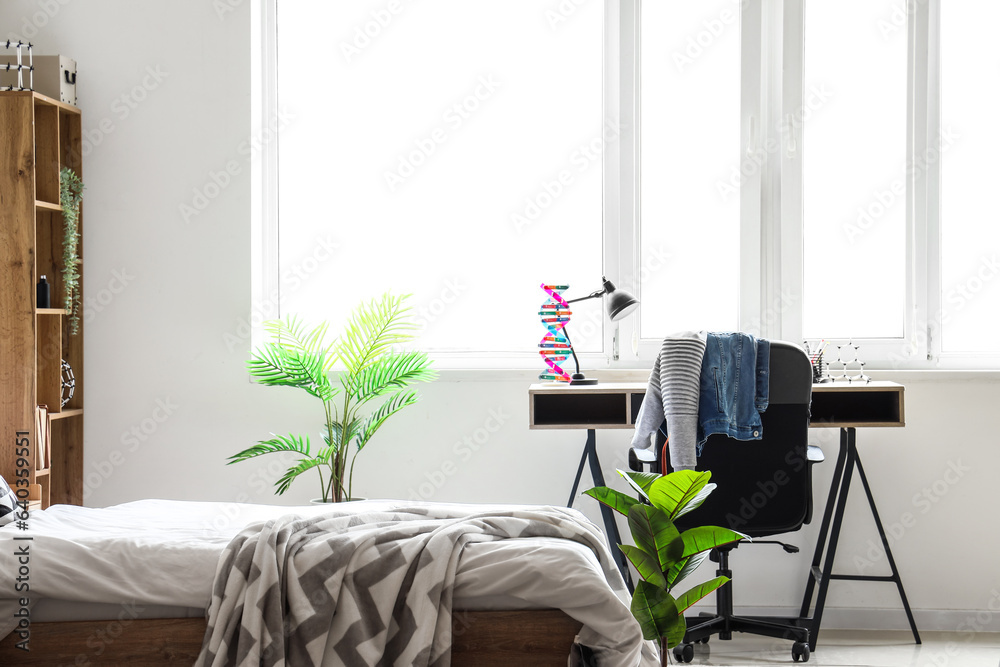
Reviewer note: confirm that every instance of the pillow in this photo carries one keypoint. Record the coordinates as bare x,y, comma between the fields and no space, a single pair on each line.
8,503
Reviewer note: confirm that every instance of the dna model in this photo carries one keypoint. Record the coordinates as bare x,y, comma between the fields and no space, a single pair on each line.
555,345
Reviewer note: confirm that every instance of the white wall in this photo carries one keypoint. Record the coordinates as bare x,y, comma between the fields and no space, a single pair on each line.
157,338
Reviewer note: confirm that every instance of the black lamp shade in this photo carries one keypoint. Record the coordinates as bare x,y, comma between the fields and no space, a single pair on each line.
620,304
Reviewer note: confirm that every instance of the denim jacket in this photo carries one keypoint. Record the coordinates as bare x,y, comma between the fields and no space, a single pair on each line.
734,386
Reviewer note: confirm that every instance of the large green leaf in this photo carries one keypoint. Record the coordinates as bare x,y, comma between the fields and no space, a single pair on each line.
373,329
703,538
684,567
390,371
656,611
616,500
655,534
640,481
685,601
672,493
394,404
279,443
645,564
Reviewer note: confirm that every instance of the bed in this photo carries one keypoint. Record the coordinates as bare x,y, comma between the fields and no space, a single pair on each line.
131,584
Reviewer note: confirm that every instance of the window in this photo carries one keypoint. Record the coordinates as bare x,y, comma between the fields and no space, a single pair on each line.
451,149
854,181
808,168
967,147
690,82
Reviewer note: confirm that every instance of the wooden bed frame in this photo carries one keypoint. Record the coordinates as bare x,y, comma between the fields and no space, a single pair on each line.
540,638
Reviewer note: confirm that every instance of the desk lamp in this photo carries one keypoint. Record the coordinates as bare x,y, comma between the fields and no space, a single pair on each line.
619,304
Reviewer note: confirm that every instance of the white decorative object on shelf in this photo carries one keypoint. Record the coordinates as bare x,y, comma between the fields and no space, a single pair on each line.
12,71
848,366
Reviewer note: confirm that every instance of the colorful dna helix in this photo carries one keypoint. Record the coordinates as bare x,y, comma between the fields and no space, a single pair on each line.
555,345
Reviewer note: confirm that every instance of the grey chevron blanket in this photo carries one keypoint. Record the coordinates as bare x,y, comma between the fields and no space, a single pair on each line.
355,589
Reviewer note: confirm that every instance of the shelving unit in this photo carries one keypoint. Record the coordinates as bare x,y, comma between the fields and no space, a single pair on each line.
40,136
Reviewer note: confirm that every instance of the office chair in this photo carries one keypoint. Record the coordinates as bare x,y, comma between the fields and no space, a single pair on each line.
764,489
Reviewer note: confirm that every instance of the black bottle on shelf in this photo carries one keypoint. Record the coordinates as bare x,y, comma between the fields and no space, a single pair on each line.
43,293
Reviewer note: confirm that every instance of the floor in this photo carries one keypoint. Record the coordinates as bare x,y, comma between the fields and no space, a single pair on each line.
859,649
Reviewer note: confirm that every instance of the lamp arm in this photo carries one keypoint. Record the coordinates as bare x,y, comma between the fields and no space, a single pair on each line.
595,295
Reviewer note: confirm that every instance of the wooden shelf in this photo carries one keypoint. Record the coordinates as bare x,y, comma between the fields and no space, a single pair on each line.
41,136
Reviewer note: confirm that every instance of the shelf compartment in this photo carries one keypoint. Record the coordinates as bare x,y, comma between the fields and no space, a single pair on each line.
49,253
49,362
66,478
70,141
46,153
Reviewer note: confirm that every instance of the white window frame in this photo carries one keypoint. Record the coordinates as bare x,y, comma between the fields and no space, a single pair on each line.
771,208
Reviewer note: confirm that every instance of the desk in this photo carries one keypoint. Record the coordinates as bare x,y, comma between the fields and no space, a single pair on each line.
840,405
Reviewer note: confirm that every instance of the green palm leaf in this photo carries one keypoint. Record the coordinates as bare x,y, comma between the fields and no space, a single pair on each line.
274,365
372,422
290,333
616,500
373,329
293,472
279,443
655,534
685,601
645,565
391,371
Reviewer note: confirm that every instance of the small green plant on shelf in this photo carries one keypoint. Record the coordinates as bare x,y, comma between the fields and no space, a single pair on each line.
70,196
370,366
662,555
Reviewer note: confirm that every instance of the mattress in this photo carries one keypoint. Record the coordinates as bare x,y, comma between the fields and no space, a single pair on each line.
157,559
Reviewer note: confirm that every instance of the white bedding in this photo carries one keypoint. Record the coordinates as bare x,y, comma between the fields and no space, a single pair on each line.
162,552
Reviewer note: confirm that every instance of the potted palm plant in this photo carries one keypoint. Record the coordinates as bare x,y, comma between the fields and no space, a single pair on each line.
371,366
662,555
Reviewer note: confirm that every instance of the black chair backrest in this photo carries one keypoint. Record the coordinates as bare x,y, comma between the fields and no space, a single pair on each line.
764,486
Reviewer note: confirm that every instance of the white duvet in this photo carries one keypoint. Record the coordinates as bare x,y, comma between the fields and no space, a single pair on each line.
164,552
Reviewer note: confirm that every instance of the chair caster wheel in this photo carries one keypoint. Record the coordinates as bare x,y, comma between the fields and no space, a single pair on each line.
684,653
800,651
703,640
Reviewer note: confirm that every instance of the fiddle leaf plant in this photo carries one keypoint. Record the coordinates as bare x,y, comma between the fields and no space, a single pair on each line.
663,555
371,366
